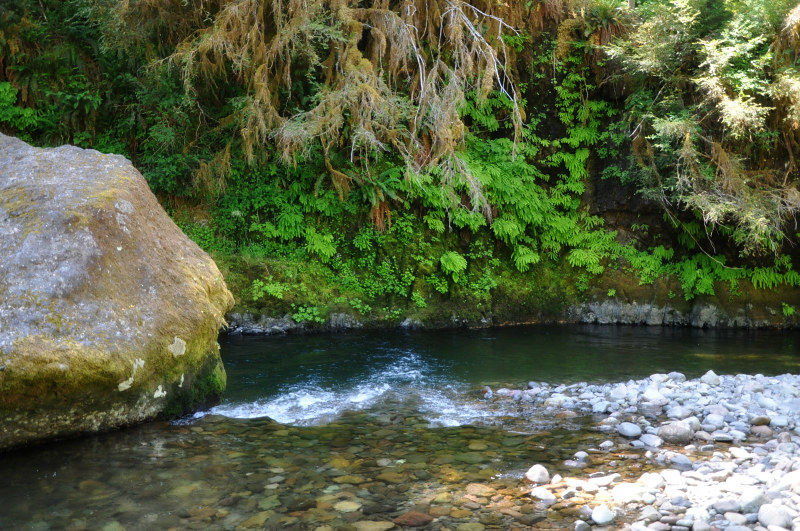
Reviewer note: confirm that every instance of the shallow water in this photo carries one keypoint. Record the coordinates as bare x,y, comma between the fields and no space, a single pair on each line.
311,379
370,425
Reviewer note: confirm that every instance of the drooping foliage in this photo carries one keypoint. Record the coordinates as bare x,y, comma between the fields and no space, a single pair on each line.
361,79
714,129
406,148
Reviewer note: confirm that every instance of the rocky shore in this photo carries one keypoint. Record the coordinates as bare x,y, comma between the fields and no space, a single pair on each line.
725,450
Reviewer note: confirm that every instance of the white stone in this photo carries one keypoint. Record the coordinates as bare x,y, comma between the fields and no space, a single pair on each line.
678,412
649,439
652,394
710,378
537,474
692,422
600,407
629,429
715,421
753,386
602,515
774,514
740,453
735,518
652,480
544,495
679,460
779,421
619,392
580,525
623,493
751,499
347,506
767,402
604,481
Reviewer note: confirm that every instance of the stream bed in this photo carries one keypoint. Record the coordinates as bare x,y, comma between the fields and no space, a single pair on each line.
372,430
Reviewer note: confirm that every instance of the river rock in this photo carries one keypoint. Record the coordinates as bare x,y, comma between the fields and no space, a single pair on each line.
370,525
543,495
679,412
710,378
653,394
413,519
580,525
602,515
779,421
652,440
109,314
752,499
677,432
713,422
773,514
629,429
537,474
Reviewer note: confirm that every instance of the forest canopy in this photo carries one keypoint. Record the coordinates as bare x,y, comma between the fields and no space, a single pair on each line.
292,121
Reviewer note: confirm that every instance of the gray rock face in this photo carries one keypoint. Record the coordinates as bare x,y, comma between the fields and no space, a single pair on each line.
248,324
700,315
108,313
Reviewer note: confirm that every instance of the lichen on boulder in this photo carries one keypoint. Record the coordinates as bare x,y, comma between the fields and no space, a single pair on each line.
109,314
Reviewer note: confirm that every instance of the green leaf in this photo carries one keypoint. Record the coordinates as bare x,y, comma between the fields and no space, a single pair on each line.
453,263
524,257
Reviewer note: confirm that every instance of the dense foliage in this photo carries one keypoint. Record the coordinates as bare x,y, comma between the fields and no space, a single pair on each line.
371,156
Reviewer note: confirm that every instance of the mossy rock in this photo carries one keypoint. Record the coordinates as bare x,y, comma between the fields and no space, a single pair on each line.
109,314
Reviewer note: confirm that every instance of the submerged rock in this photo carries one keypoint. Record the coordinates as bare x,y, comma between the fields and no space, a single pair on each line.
109,314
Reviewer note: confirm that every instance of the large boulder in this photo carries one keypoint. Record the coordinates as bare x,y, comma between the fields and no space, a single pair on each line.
109,314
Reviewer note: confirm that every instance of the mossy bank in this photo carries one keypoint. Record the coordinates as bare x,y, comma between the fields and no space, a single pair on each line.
549,293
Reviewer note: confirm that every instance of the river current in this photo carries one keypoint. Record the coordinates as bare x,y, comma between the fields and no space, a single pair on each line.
336,431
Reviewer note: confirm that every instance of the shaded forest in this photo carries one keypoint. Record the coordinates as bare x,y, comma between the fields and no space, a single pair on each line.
385,157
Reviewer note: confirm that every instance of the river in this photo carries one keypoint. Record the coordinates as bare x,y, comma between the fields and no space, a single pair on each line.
340,431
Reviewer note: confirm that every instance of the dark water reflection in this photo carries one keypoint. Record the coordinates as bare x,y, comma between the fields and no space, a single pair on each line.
259,367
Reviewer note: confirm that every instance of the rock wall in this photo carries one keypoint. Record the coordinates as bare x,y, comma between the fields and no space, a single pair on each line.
109,314
700,315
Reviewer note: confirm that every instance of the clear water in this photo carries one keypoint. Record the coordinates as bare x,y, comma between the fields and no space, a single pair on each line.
312,379
350,407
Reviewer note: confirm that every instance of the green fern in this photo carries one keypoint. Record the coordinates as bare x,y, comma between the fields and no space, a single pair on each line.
507,228
524,257
260,288
320,244
765,278
434,222
291,223
453,264
585,258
